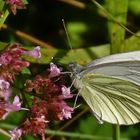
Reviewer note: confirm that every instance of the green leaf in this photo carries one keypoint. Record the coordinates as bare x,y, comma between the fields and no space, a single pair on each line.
118,10
130,132
1,5
75,30
25,2
3,45
26,71
134,6
3,17
81,56
3,137
89,125
131,44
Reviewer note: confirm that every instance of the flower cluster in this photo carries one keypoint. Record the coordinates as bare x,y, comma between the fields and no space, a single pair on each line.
15,4
48,93
11,64
48,103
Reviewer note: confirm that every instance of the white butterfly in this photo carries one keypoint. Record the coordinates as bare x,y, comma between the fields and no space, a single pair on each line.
111,87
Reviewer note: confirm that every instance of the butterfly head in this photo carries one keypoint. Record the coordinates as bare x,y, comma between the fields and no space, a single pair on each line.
75,69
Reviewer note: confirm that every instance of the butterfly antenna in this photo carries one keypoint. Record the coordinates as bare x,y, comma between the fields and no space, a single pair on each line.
69,42
64,25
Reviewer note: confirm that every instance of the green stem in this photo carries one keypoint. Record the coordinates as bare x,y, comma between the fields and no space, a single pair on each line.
76,135
73,135
27,37
116,132
111,17
4,133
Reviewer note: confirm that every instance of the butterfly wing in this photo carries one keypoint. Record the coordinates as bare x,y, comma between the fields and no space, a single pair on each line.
112,99
121,57
126,70
125,66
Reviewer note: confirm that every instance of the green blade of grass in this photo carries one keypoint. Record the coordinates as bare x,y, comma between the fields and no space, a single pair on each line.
3,18
1,5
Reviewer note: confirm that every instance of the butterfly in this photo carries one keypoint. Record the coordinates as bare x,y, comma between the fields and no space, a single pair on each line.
111,87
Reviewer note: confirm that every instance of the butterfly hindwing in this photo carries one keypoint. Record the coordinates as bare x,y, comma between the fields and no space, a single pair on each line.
112,99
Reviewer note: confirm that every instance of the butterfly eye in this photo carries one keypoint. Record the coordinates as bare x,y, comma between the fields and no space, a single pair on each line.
73,66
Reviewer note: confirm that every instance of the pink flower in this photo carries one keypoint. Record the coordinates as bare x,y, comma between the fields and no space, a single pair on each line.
16,134
11,62
4,85
35,125
18,65
5,91
15,4
5,59
48,103
15,106
66,92
54,70
7,107
34,53
39,108
59,110
67,112
15,50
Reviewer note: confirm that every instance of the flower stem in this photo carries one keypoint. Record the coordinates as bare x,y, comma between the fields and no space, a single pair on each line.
116,132
27,37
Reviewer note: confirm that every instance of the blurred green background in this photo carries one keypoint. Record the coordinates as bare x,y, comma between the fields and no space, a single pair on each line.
93,33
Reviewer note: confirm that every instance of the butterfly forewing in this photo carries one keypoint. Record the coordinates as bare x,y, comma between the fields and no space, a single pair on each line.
123,65
126,70
112,99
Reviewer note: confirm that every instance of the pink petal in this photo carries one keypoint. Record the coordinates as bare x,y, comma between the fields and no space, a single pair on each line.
66,92
5,58
4,84
16,134
54,70
67,112
15,106
34,53
5,90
